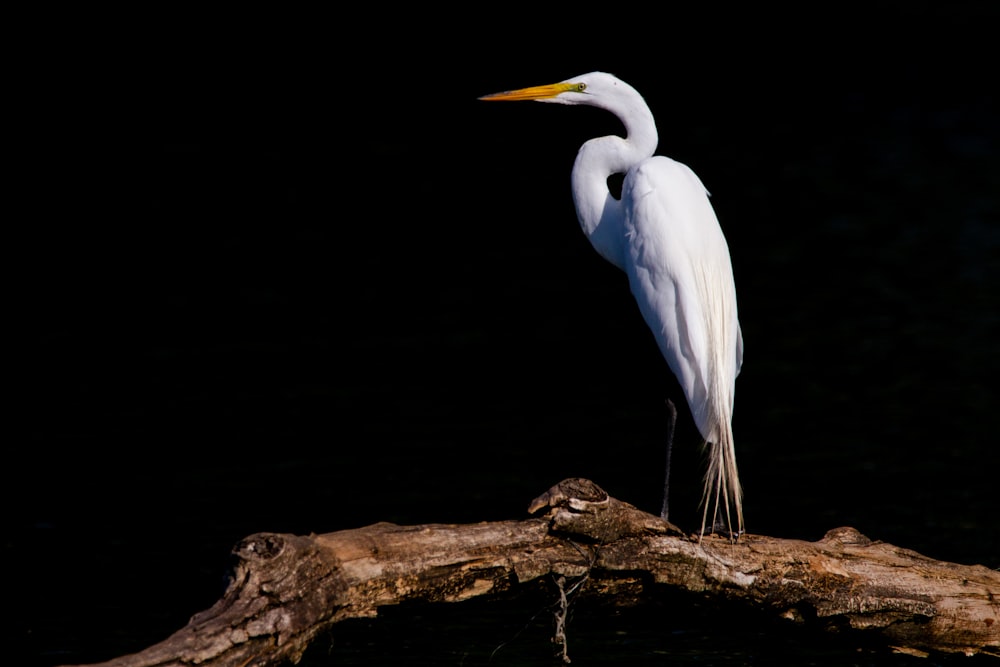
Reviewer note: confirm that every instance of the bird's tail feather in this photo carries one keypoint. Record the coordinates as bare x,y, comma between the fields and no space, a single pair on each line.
722,491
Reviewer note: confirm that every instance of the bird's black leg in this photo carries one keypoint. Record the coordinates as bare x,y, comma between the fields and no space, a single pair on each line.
671,423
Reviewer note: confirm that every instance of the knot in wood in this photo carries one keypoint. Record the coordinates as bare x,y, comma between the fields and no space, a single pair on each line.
260,546
846,536
576,494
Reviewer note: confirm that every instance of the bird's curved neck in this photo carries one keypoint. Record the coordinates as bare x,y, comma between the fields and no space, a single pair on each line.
601,215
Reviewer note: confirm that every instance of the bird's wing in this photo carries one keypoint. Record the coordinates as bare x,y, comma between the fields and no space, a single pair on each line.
680,273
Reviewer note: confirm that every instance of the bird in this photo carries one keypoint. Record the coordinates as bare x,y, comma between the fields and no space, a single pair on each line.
662,231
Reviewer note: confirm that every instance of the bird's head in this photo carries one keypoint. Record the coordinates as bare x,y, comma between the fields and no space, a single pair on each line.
592,89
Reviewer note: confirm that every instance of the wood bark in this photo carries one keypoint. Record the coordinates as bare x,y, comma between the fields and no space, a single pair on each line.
288,589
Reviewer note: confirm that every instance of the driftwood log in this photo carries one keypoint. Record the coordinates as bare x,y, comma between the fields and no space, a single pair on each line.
286,590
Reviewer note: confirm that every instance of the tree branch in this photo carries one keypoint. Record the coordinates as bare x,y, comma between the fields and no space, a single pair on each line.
287,589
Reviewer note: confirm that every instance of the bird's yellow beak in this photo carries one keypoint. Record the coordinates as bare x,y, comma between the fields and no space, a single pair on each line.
546,92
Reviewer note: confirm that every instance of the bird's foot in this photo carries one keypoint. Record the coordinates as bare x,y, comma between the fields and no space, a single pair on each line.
722,529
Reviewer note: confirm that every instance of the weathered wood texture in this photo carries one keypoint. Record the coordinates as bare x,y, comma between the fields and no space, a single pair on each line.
287,589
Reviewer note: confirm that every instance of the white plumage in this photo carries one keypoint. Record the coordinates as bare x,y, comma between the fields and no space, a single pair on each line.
663,233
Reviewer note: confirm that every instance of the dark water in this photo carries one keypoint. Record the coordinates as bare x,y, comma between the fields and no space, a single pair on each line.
676,630
269,288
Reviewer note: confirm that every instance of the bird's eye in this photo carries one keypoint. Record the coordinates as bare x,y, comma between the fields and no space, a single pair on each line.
580,87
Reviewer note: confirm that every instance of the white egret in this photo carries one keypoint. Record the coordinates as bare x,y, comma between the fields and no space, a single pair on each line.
663,233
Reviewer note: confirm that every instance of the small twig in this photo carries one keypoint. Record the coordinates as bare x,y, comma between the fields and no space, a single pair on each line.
561,616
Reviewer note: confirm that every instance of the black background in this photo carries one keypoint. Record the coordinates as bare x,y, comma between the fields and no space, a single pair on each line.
286,273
